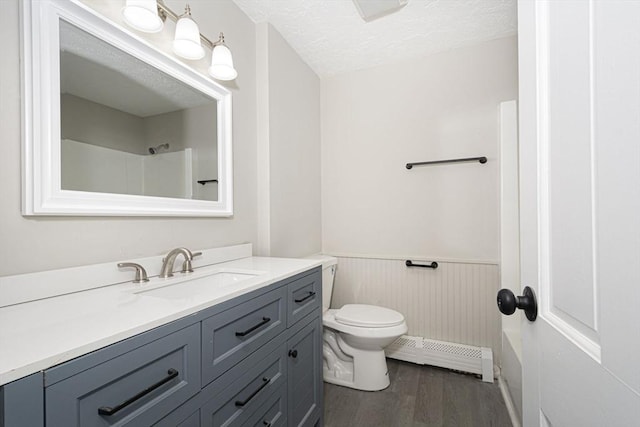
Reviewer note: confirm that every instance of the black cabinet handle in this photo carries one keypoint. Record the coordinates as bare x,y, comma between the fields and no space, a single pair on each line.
108,410
265,383
293,353
311,294
266,423
507,303
410,263
265,320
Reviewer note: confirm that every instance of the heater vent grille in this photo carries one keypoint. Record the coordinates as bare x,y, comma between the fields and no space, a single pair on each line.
466,358
405,342
473,352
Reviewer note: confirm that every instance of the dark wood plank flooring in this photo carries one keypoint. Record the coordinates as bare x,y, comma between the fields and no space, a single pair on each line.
419,396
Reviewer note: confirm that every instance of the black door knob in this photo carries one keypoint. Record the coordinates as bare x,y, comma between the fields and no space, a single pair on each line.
507,303
293,353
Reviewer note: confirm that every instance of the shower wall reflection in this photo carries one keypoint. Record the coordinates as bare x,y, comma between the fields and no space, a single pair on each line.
109,151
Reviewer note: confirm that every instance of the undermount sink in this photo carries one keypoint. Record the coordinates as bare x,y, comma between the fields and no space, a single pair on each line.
197,285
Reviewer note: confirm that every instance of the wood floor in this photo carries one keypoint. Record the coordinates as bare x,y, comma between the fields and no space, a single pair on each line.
418,396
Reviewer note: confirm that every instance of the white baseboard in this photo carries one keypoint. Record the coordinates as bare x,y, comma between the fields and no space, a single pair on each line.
511,408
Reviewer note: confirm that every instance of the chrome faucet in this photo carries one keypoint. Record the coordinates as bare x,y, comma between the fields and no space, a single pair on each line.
170,259
141,273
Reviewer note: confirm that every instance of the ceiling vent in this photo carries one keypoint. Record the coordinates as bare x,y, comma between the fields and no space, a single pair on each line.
374,9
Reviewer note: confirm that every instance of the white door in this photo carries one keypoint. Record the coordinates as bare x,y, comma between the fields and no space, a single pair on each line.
580,210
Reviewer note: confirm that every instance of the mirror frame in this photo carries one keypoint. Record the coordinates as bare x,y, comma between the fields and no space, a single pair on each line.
41,175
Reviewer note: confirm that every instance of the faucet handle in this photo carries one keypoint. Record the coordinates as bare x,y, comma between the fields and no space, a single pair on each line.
141,273
186,265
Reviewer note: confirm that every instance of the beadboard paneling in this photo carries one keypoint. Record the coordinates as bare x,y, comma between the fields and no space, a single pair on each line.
455,302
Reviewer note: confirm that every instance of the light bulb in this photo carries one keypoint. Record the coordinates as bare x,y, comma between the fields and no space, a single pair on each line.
222,63
142,15
186,42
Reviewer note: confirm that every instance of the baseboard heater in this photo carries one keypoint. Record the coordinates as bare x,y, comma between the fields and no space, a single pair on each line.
466,358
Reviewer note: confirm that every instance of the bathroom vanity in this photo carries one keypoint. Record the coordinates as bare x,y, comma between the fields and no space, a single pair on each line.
234,343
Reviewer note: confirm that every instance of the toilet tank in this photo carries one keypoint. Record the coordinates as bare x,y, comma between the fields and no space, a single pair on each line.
329,265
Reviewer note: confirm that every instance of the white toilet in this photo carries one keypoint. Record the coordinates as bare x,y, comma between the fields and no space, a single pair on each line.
354,338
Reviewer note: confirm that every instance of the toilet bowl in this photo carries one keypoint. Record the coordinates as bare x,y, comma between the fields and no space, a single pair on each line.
354,338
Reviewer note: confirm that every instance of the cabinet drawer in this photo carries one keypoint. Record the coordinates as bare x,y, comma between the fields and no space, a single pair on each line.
303,296
192,421
245,388
187,415
136,388
231,336
272,413
179,420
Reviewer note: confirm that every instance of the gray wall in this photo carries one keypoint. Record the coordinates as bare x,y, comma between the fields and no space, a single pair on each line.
294,134
288,149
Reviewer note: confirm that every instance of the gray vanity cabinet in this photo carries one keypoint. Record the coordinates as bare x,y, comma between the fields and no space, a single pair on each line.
255,360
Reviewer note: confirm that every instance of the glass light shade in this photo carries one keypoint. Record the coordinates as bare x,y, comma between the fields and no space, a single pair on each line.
186,42
142,15
222,64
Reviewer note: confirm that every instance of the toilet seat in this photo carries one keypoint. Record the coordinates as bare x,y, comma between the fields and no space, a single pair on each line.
329,320
368,316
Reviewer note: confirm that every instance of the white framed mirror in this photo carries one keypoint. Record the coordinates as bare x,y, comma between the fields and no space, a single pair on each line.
114,127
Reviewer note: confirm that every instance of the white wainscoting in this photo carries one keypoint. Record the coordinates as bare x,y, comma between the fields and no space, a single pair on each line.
455,302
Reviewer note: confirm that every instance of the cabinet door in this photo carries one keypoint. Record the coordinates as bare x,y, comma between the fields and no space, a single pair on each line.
133,389
304,371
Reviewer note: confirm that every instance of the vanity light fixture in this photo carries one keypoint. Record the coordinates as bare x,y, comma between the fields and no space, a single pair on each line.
149,16
221,61
186,42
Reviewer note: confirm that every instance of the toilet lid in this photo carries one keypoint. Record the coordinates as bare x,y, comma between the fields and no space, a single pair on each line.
370,316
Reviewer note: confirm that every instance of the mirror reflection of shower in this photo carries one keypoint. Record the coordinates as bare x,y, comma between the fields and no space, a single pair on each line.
157,148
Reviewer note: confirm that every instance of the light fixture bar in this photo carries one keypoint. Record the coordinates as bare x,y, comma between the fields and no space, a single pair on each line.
164,12
187,41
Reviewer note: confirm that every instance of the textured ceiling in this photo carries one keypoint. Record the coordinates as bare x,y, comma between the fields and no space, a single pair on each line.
332,38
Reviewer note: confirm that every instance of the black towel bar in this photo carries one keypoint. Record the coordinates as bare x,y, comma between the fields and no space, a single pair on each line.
482,160
410,263
206,181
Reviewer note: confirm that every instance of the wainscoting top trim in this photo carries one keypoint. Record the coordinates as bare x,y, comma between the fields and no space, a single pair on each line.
414,258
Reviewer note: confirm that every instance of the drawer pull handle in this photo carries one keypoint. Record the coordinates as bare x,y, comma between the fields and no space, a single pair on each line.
108,410
266,423
311,294
265,382
293,353
265,320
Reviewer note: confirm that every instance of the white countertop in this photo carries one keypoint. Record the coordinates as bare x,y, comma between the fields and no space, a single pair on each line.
39,334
